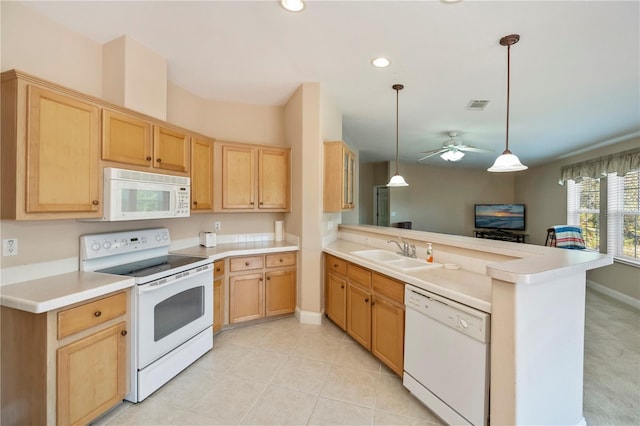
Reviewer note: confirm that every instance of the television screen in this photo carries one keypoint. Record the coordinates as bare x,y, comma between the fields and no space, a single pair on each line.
509,217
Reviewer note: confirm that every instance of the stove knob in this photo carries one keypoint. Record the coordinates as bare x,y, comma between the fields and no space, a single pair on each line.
165,237
95,246
463,323
106,245
158,237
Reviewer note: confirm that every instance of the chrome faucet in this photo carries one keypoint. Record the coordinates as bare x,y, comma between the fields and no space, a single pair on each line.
406,249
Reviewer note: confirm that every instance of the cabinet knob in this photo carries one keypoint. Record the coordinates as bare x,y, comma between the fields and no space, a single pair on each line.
148,158
261,279
217,269
335,265
373,303
97,314
252,203
261,203
366,300
123,332
268,278
195,203
246,263
159,160
281,260
95,202
342,286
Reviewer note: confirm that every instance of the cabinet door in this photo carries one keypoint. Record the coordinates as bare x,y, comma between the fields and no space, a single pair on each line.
238,178
218,304
91,375
273,179
280,292
246,297
348,178
125,139
336,301
170,149
201,175
62,155
388,333
359,315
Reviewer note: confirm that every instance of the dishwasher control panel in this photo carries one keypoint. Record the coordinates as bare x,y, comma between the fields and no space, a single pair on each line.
474,323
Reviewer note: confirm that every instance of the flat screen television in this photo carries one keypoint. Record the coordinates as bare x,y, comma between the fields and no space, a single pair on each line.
508,217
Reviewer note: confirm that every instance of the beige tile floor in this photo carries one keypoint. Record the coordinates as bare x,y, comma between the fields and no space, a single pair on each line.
286,373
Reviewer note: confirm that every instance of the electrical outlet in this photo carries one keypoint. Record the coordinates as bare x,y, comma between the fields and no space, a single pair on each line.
10,247
217,226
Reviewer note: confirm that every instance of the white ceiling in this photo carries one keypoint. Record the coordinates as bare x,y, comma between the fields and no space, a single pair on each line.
575,74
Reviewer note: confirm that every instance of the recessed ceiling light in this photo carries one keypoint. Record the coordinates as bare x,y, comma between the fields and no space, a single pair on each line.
292,5
380,62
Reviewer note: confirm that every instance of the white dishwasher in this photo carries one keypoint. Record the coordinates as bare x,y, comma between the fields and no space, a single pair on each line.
446,356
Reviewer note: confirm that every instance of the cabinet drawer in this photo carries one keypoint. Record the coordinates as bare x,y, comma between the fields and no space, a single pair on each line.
246,263
336,265
393,289
359,275
281,259
81,317
218,268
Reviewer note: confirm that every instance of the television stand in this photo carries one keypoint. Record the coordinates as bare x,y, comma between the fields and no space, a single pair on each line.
496,234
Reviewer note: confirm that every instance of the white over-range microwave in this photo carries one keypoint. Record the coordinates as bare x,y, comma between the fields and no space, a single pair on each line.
133,195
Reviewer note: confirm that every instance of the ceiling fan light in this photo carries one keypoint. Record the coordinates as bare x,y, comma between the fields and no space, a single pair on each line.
507,162
397,180
293,5
452,155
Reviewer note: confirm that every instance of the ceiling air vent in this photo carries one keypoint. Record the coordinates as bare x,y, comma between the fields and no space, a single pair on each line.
477,105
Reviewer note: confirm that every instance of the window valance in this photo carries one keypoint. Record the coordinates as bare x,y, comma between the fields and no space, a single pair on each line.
620,163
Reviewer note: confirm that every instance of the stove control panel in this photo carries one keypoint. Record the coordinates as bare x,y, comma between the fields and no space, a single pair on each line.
113,243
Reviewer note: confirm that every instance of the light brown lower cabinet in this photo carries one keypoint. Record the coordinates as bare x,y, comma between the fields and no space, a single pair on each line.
91,375
369,306
262,286
359,315
56,372
218,295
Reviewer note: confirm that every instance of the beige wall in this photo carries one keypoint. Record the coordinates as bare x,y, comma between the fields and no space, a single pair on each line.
440,199
40,47
34,44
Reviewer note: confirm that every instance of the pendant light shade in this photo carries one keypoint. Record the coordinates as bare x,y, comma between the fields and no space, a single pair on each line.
508,162
397,180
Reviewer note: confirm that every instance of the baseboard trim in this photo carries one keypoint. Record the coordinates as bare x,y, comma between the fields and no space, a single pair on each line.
307,317
621,297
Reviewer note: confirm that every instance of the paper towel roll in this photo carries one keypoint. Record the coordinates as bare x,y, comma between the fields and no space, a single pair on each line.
279,230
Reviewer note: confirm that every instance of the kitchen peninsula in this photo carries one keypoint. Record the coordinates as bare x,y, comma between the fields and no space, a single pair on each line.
536,298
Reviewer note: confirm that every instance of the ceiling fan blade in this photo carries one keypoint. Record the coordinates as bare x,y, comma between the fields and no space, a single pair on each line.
473,149
431,154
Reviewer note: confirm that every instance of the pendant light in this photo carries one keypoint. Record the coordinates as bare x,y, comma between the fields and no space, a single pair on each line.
508,162
397,180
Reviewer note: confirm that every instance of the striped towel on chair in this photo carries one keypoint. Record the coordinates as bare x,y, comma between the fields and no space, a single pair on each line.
568,237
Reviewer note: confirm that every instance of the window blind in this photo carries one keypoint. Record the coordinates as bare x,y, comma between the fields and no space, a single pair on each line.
623,216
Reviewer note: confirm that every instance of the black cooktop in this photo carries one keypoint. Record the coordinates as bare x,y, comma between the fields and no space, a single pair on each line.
146,267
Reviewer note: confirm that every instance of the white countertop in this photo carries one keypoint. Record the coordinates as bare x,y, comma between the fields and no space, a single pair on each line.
58,291
466,287
222,251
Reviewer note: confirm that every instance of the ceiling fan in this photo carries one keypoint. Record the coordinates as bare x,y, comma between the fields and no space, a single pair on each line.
452,150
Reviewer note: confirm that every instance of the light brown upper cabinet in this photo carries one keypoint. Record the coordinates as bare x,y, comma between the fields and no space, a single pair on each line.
201,175
249,178
132,140
126,139
50,152
339,177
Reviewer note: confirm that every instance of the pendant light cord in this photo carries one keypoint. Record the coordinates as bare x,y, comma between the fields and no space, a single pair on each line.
397,106
508,92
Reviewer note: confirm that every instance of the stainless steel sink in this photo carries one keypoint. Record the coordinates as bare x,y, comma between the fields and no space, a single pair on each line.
395,261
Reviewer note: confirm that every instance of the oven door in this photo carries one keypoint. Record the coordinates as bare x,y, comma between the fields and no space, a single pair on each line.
173,310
